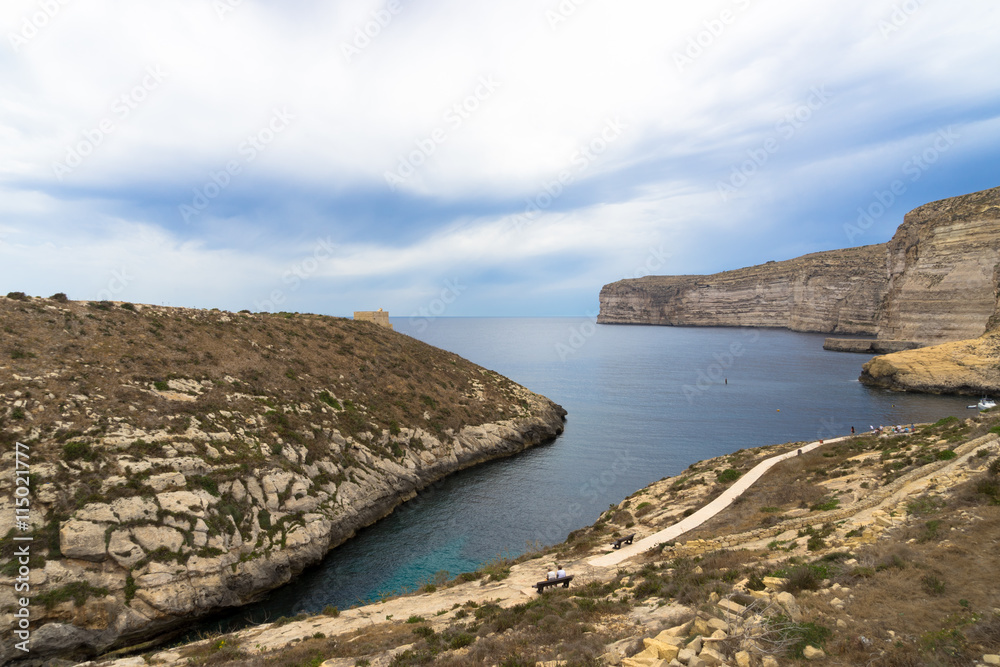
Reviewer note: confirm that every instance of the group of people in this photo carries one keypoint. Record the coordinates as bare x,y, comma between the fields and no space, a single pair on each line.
557,573
894,429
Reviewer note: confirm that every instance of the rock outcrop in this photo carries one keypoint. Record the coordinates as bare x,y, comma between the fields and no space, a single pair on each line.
184,462
937,280
970,367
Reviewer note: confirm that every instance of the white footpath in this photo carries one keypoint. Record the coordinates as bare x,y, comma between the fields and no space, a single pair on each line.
706,512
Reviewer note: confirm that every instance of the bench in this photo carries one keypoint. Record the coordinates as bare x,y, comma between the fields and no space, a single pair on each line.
541,585
622,540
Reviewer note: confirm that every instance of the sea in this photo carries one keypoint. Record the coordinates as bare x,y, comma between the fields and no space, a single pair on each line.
643,403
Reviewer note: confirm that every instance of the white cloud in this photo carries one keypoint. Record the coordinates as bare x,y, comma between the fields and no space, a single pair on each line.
695,86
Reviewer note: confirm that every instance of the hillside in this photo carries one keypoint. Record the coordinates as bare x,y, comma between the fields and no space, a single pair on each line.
868,550
183,461
937,280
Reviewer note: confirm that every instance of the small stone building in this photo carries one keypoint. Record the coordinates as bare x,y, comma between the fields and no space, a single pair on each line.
379,317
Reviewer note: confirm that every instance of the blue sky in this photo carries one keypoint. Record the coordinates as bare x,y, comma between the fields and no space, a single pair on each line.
494,158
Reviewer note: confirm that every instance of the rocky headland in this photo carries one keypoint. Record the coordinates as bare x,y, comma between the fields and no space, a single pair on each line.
185,461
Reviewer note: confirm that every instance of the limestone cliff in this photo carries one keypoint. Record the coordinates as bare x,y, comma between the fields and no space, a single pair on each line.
937,280
944,270
185,461
837,291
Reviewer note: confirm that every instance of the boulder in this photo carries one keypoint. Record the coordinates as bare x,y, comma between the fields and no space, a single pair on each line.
83,540
97,512
711,657
183,502
685,655
152,538
790,605
742,659
168,481
813,653
123,550
134,509
664,651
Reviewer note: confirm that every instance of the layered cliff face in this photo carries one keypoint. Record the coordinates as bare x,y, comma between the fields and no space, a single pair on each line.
181,462
944,270
837,291
937,280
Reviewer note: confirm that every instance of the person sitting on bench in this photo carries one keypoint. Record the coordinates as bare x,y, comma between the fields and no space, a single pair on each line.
561,573
551,575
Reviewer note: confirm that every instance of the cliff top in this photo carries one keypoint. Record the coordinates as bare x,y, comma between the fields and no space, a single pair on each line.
769,271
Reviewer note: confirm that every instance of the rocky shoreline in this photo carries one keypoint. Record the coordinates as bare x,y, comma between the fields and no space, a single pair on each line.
157,501
796,587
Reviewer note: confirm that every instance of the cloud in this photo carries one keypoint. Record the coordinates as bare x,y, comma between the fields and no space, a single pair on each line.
413,135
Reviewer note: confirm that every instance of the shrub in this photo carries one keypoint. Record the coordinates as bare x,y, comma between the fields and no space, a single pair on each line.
17,296
945,422
330,610
77,450
945,455
205,482
805,634
130,588
60,297
160,385
78,592
802,578
728,476
827,504
932,585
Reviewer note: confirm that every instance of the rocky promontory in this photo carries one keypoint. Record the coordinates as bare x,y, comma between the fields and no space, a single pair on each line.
185,461
830,292
937,280
970,367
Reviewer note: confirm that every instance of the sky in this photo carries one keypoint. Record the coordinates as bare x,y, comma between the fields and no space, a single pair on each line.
466,158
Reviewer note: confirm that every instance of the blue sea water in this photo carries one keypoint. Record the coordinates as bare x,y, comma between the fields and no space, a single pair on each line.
643,403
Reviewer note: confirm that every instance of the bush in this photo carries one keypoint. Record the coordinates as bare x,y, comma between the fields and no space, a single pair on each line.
945,455
802,578
827,504
932,585
73,451
728,476
805,634
60,297
18,296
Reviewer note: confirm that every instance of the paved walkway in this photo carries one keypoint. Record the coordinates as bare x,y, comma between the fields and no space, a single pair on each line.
706,512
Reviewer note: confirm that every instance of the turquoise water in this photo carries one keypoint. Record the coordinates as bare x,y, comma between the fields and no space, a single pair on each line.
644,403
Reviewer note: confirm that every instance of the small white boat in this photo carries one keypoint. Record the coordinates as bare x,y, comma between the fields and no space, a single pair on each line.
986,403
